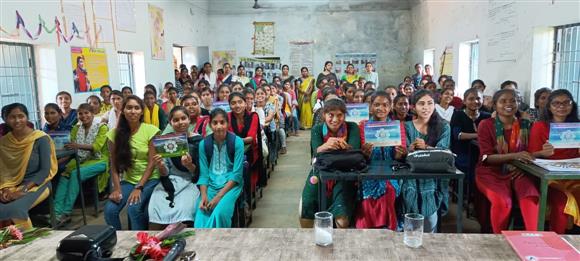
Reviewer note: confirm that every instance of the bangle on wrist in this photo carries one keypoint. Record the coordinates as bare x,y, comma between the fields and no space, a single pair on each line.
139,187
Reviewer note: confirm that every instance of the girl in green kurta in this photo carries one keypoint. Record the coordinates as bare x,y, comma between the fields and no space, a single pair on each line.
334,134
88,139
428,197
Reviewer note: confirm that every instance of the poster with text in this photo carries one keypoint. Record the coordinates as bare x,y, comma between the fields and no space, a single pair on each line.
157,31
90,70
219,58
301,55
263,38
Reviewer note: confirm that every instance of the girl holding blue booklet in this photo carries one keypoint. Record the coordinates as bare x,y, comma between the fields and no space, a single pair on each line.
377,206
563,195
172,199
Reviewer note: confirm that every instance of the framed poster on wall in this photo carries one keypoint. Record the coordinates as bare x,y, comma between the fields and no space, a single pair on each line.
90,70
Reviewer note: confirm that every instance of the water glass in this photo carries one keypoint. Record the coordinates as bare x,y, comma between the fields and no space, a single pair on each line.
413,230
323,223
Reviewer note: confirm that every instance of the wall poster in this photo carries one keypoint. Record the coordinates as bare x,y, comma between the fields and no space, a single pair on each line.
90,70
157,31
263,38
301,55
219,58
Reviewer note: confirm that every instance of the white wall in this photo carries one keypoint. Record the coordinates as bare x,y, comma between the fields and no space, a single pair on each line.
388,33
185,25
440,23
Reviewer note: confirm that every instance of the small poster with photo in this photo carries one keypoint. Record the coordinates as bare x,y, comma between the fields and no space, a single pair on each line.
171,145
383,134
357,112
60,138
565,135
222,105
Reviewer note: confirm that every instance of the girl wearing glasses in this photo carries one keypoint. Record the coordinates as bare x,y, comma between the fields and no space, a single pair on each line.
563,195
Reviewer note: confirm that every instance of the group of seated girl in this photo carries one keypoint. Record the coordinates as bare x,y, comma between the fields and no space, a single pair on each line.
502,139
156,191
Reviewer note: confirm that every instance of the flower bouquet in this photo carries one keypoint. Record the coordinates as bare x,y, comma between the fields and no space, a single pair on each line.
12,235
158,246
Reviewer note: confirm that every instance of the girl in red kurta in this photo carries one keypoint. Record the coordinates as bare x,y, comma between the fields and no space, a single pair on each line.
376,208
502,140
246,125
564,195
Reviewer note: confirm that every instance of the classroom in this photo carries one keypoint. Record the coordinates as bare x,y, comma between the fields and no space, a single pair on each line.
289,130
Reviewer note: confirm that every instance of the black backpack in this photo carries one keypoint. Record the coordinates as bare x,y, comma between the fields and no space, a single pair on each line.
230,144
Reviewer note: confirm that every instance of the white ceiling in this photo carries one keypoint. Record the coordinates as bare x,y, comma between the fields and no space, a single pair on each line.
227,7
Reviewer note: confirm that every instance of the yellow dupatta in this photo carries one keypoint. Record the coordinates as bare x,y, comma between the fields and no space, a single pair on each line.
152,117
14,157
571,188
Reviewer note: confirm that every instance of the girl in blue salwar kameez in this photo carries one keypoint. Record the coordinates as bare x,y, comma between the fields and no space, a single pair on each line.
221,179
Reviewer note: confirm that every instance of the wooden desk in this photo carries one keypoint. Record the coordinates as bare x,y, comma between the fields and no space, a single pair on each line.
297,244
545,177
382,170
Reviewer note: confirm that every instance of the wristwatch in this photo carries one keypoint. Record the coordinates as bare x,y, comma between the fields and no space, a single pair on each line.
24,189
139,187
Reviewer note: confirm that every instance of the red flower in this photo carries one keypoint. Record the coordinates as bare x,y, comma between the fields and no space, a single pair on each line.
15,232
150,246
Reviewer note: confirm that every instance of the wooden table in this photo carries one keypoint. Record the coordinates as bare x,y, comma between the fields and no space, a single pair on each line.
297,244
545,177
382,170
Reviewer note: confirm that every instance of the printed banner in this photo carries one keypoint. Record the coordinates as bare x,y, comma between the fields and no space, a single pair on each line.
357,112
90,70
156,26
383,134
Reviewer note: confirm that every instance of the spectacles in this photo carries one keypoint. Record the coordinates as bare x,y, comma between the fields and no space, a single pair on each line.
561,104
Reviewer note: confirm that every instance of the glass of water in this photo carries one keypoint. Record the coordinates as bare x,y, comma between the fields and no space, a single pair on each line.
323,223
413,230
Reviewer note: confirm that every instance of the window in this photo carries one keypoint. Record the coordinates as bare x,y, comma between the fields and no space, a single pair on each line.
126,72
468,65
567,59
18,79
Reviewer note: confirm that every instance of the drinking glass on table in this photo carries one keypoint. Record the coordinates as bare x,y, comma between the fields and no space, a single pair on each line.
323,224
413,230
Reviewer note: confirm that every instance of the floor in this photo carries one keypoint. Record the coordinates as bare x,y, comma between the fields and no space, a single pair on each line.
279,206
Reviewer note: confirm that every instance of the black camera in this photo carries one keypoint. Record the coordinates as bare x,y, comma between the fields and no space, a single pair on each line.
90,242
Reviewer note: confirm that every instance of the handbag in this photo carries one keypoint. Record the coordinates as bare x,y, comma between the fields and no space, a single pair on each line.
341,161
431,161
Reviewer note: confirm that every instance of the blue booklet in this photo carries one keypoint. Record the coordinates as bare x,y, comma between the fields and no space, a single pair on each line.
60,138
223,105
171,145
357,112
383,134
564,135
